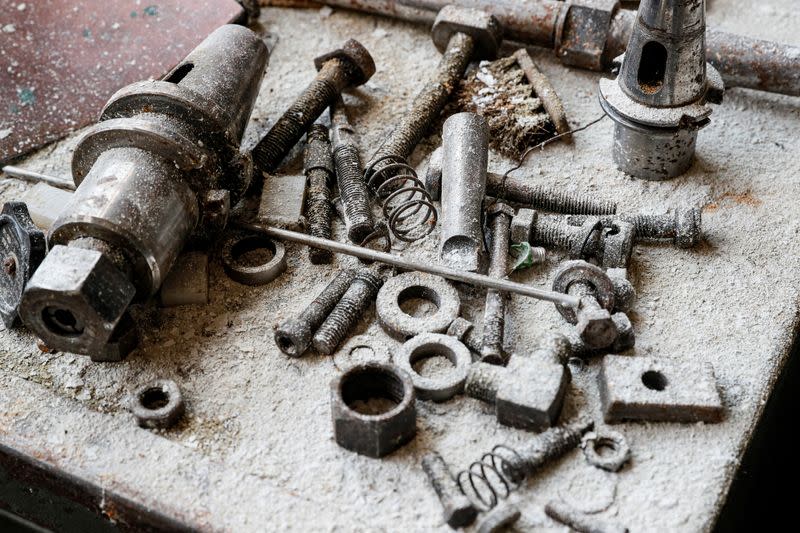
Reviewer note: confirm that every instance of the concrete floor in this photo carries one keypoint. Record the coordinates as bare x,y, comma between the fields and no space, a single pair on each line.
255,450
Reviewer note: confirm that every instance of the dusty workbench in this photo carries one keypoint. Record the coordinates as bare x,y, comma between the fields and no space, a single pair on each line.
255,450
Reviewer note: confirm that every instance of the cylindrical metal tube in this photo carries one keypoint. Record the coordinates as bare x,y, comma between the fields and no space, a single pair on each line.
494,313
465,157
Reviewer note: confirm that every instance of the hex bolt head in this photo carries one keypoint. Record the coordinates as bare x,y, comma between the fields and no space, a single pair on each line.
355,56
484,28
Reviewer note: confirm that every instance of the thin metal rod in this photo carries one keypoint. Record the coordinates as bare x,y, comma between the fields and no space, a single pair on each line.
478,280
30,175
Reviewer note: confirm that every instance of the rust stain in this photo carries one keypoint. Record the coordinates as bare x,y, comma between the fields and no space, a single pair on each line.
745,198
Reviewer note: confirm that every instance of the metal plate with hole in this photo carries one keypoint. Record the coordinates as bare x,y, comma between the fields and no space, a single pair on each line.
606,449
405,287
240,243
429,345
158,404
580,271
658,390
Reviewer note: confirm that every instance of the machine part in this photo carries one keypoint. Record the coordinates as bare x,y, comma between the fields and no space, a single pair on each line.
500,472
545,92
524,193
22,249
321,175
458,510
527,394
683,226
592,318
463,330
365,431
461,35
354,195
525,256
123,341
283,200
626,339
293,336
367,254
236,248
349,310
37,177
589,36
606,449
143,172
579,521
348,66
659,100
522,225
359,350
407,207
624,292
187,282
158,404
45,204
499,519
498,218
412,285
658,390
465,156
617,243
52,87
580,242
427,345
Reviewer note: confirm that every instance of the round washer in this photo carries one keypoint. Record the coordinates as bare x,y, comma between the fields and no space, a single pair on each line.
618,454
429,345
158,404
239,243
403,287
580,271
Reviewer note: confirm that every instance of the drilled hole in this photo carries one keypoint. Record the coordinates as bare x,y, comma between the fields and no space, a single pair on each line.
418,301
179,73
372,391
62,322
652,67
154,398
253,251
654,380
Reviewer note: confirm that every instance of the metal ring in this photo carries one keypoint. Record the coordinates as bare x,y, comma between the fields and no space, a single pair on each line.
618,450
158,404
431,345
345,357
400,288
240,243
580,271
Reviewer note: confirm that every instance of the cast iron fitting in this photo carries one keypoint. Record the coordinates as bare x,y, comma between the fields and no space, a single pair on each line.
144,174
660,97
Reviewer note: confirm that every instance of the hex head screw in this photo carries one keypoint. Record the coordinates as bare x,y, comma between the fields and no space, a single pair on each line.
499,217
683,226
348,66
458,510
320,174
355,301
293,336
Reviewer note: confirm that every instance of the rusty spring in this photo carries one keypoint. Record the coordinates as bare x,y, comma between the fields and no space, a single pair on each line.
407,206
492,478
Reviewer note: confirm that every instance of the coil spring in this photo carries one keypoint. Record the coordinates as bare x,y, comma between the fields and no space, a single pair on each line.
407,205
492,478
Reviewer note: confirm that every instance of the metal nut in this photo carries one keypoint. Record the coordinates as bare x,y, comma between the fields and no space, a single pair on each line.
404,287
373,435
617,452
431,345
158,404
240,243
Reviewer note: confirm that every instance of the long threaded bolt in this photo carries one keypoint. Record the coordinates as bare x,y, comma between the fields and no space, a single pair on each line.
321,175
683,227
458,510
580,521
348,311
293,336
545,447
352,187
499,216
347,67
546,198
554,231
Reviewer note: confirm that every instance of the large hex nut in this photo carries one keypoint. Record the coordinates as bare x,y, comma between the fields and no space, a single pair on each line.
356,56
484,28
404,287
431,345
373,435
75,300
582,32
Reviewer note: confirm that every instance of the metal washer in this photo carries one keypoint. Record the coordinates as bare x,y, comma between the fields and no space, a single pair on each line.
580,271
433,344
416,285
241,242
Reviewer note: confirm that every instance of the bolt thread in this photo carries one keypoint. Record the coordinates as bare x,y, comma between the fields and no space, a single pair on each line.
320,173
546,447
353,192
483,381
495,308
285,133
355,301
652,226
547,198
428,103
293,336
550,231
